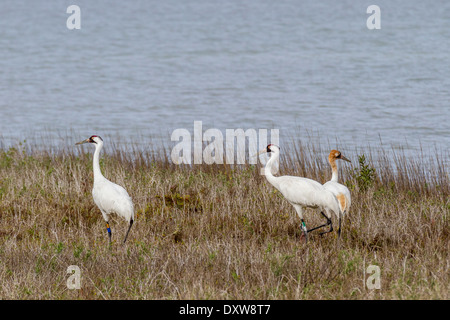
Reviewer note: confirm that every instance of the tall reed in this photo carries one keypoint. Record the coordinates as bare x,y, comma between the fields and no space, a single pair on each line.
220,231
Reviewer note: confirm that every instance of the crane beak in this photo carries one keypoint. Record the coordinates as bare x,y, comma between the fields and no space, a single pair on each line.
344,158
81,142
261,152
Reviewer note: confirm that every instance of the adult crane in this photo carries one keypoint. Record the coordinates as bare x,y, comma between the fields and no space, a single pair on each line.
302,192
109,197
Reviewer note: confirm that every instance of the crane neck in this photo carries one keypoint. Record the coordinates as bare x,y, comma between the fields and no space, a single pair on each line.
334,169
96,162
268,169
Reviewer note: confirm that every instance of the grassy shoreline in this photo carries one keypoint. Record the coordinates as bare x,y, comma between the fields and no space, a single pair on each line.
217,231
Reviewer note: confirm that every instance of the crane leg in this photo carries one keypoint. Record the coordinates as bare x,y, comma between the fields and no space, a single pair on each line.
328,223
109,231
131,223
339,231
323,225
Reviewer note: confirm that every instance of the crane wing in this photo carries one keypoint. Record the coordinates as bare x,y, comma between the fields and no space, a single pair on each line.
112,198
299,190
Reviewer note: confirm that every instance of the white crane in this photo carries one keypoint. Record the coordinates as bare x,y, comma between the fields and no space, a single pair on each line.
340,191
109,197
302,192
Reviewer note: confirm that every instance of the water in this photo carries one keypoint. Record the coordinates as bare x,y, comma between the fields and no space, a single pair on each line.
144,68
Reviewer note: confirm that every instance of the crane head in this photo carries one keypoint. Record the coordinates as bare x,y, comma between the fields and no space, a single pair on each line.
269,148
335,154
91,139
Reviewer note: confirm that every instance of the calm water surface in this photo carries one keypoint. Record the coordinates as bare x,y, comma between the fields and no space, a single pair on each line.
144,68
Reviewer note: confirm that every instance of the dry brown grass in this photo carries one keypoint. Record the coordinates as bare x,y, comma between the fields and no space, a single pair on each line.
217,232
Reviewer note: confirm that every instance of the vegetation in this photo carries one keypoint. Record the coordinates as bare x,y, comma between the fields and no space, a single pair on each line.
218,231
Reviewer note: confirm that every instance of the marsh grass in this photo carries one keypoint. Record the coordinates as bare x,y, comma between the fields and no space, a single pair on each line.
220,231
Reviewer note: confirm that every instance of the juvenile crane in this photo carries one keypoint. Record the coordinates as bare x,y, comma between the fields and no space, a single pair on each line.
302,193
340,191
109,197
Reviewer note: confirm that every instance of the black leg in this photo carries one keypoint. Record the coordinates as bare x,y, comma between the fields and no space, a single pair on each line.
323,225
339,231
331,227
131,223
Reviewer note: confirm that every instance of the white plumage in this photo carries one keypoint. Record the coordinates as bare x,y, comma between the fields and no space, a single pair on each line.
109,197
339,190
302,192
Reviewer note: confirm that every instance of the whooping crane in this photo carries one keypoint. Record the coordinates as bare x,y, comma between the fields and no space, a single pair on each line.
109,197
302,192
340,191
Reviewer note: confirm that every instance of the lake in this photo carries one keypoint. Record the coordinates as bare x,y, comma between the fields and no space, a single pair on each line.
139,69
